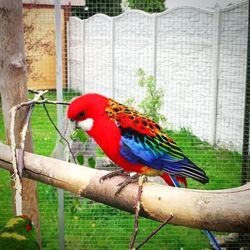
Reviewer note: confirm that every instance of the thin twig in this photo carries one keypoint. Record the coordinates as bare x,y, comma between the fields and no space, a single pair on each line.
154,232
33,91
46,101
137,210
25,126
18,165
20,162
24,132
59,132
15,176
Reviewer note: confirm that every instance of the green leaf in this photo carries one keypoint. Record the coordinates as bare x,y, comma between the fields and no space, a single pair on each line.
92,162
61,141
75,206
78,134
73,136
80,158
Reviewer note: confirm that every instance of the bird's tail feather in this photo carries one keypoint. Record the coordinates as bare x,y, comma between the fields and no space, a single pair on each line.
182,182
186,168
212,239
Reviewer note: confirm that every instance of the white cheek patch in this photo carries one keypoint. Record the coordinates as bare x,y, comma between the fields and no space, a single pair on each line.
86,125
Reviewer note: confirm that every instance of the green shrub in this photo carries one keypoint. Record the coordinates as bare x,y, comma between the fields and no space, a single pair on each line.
153,100
150,6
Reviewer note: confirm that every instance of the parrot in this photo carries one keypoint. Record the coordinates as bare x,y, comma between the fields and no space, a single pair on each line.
18,234
134,142
131,140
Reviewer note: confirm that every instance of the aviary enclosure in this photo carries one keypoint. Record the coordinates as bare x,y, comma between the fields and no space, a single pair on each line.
192,62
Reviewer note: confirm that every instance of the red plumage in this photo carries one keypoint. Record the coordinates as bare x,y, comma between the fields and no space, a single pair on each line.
131,140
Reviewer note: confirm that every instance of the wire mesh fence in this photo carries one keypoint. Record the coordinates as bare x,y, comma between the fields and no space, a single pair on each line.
199,59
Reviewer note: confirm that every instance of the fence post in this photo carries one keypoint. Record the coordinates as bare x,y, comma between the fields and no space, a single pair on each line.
59,94
68,55
83,56
246,129
215,80
113,56
154,45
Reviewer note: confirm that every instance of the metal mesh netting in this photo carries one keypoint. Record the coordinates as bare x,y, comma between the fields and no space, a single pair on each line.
199,59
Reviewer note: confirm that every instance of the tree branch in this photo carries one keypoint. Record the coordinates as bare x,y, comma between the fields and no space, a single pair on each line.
164,223
217,210
44,101
137,210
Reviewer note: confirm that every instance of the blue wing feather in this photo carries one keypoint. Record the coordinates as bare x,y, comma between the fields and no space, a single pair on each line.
136,148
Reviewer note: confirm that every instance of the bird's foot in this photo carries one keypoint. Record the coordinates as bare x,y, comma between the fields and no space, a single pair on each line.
113,174
131,179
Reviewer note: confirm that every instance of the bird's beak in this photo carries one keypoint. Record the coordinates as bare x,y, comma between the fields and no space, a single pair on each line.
76,125
73,123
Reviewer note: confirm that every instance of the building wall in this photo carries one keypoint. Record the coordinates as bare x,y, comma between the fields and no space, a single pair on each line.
39,37
51,2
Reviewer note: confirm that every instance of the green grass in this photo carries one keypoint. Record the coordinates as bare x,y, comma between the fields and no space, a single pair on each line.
101,227
89,225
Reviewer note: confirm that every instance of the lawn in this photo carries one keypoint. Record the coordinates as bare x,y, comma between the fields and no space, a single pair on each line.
89,225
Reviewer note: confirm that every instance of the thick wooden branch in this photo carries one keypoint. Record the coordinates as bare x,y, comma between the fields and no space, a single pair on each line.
217,210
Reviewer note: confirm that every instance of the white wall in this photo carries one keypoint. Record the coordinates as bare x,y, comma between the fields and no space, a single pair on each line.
198,56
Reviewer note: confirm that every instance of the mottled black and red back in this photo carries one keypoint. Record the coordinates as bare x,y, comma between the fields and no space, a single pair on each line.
129,117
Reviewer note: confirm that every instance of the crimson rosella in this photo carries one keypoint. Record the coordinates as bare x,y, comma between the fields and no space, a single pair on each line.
134,142
131,140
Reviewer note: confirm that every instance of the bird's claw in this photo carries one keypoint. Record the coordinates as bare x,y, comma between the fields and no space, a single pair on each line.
131,179
113,174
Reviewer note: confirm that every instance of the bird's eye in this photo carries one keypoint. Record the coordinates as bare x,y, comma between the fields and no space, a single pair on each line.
81,115
29,227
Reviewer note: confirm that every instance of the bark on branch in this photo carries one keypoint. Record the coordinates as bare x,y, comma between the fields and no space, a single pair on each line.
217,210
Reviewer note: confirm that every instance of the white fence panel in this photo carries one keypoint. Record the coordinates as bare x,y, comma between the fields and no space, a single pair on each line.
98,55
133,49
75,53
232,76
198,56
185,46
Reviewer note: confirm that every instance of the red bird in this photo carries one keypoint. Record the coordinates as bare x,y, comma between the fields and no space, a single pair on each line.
134,142
131,140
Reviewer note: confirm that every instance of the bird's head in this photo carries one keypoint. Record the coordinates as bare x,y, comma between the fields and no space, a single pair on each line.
85,109
21,224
